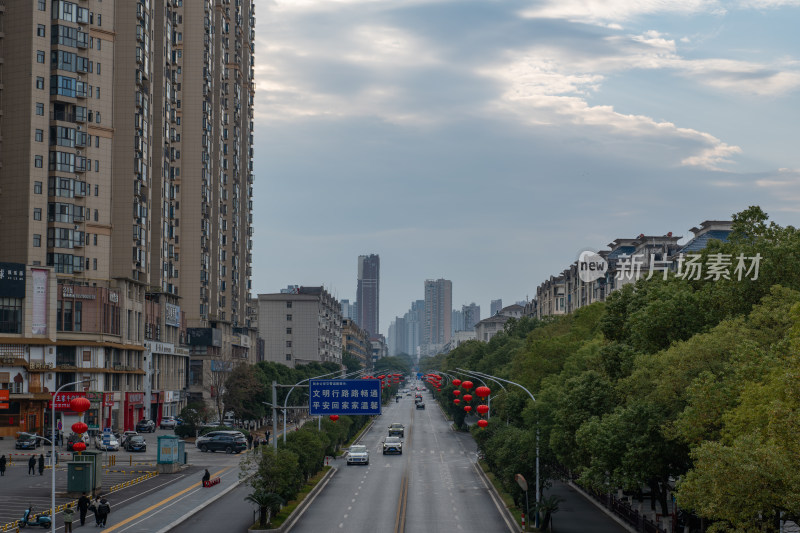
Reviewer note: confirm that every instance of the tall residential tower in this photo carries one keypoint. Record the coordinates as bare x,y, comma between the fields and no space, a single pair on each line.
368,293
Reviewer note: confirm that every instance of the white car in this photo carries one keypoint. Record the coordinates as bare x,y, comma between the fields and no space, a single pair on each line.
113,444
392,445
168,422
358,455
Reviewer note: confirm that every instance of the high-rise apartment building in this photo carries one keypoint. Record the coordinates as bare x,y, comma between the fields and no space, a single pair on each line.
150,100
368,293
438,314
472,315
495,306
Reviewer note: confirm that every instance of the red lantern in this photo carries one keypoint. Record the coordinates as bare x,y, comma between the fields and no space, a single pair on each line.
456,401
381,376
334,418
482,391
79,404
456,392
468,397
80,428
79,447
467,385
482,409
482,423
456,382
468,408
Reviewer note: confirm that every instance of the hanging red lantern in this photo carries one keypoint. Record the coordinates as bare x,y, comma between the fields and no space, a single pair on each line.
468,408
381,376
334,418
482,423
467,385
80,428
456,382
456,401
78,447
482,391
79,404
468,397
456,392
482,409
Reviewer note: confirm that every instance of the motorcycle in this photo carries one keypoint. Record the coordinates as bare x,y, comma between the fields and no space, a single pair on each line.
29,519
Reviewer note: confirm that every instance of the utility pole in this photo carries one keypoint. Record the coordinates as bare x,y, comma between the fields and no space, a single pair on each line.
275,415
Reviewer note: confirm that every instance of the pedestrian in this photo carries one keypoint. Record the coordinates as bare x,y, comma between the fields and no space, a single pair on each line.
256,442
41,464
249,441
83,507
32,466
3,465
266,438
206,477
68,515
93,508
103,508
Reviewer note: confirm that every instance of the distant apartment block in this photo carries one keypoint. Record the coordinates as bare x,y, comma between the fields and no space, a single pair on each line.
355,341
368,293
495,306
438,314
300,327
490,326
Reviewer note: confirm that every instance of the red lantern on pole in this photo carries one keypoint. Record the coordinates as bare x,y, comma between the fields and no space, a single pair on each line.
482,423
456,382
467,385
334,418
79,404
482,391
456,401
456,392
80,428
79,447
468,397
468,408
482,409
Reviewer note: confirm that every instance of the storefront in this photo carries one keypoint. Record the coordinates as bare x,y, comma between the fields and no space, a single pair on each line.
134,409
65,417
171,406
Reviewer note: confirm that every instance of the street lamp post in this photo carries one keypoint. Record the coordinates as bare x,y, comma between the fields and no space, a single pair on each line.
53,451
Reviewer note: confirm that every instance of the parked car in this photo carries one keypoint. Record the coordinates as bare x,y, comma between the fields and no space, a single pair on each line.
146,426
27,442
397,430
392,445
125,436
135,443
211,434
229,443
168,422
358,455
112,446
73,438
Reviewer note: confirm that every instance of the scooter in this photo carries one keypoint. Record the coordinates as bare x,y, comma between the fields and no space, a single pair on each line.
29,519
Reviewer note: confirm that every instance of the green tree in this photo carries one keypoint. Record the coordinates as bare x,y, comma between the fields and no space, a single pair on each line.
351,362
268,504
245,389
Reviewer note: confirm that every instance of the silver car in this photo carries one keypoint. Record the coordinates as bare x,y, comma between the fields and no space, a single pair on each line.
358,455
112,446
392,445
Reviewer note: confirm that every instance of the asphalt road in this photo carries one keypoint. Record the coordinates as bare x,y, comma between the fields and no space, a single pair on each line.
229,513
433,486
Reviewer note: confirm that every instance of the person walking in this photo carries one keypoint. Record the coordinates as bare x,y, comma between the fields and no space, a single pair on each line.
32,466
3,465
93,508
103,509
249,441
41,464
83,507
69,513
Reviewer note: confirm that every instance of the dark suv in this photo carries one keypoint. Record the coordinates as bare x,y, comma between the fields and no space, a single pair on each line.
145,426
27,442
227,443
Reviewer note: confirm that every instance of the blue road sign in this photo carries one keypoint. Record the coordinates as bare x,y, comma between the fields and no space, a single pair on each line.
344,397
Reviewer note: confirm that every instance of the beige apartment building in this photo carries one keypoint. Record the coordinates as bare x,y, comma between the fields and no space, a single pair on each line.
108,189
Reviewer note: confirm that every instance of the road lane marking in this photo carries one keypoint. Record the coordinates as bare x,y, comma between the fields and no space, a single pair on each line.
163,502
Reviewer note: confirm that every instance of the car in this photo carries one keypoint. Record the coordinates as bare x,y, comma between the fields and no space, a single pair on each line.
397,430
145,426
420,405
125,436
211,434
135,443
112,446
27,442
358,454
392,445
229,443
75,438
168,422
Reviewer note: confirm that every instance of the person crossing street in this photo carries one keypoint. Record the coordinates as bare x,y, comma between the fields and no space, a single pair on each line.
32,466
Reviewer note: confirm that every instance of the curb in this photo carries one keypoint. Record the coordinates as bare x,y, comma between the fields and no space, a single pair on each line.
290,521
196,510
594,502
509,519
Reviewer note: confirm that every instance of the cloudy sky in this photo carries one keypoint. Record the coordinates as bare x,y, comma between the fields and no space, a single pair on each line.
489,142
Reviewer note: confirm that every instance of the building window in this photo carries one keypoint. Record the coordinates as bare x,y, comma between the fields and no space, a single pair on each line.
40,109
37,187
37,240
38,161
40,30
288,318
288,331
39,136
40,56
288,357
98,47
95,239
40,83
97,166
10,315
288,344
37,213
94,264
42,5
98,63
96,215
98,117
288,305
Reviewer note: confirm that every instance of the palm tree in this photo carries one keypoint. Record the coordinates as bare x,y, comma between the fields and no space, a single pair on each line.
547,508
268,503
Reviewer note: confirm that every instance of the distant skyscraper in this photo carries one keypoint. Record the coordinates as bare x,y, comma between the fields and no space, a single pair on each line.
368,293
456,322
348,310
472,315
495,307
438,311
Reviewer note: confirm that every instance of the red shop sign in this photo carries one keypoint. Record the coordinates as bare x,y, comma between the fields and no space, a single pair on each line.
63,399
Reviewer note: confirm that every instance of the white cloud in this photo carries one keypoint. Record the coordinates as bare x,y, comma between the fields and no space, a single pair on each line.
611,12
